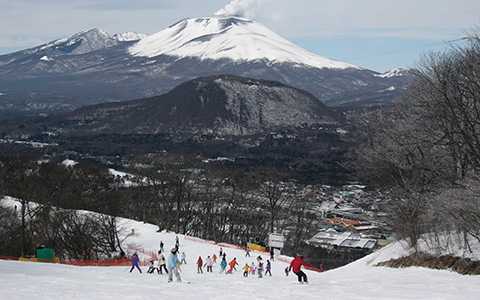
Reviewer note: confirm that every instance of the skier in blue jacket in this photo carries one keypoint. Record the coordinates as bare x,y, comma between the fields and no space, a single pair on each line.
223,265
172,265
135,263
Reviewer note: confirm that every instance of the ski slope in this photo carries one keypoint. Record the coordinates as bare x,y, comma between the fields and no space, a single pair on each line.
359,280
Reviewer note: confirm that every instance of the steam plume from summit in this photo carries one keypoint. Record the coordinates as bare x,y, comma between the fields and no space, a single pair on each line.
239,8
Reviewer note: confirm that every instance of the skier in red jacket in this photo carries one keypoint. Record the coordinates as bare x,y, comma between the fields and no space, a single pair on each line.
232,264
296,266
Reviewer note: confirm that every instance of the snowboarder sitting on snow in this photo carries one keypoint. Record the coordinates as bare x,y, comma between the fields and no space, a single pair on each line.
172,264
199,265
268,268
209,265
246,270
135,263
232,264
296,266
152,267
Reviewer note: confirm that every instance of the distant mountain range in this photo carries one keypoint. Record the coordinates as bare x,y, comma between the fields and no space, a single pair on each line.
94,67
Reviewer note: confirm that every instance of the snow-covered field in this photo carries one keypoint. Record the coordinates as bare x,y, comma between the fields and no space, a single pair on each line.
359,280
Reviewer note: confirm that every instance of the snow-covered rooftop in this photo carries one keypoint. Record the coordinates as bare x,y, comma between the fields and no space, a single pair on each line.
331,237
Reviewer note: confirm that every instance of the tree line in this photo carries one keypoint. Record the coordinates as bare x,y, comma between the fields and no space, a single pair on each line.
226,206
425,150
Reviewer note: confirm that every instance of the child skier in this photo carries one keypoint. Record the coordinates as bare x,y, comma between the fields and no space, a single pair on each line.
209,265
184,256
200,265
172,264
253,268
214,257
268,268
246,270
135,263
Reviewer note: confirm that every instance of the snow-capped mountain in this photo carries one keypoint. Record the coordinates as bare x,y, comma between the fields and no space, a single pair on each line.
93,66
79,43
396,72
226,37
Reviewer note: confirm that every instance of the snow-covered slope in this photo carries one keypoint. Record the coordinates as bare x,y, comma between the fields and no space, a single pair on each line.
359,280
79,43
228,37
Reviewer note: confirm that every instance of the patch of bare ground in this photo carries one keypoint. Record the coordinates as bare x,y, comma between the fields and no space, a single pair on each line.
460,265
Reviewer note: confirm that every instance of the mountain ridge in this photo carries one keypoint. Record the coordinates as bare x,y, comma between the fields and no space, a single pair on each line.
93,67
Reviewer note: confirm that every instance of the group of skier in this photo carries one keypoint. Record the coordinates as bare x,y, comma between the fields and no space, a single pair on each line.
172,264
209,262
258,269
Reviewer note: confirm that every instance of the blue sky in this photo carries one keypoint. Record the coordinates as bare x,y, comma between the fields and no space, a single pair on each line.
377,53
378,34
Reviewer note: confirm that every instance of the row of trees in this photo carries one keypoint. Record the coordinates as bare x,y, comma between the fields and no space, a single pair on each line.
218,207
222,206
45,194
426,149
71,234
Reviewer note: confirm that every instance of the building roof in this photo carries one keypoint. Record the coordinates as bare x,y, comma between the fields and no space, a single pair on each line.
331,237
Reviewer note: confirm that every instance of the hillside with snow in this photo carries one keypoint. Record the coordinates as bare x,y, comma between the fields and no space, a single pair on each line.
359,280
228,37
